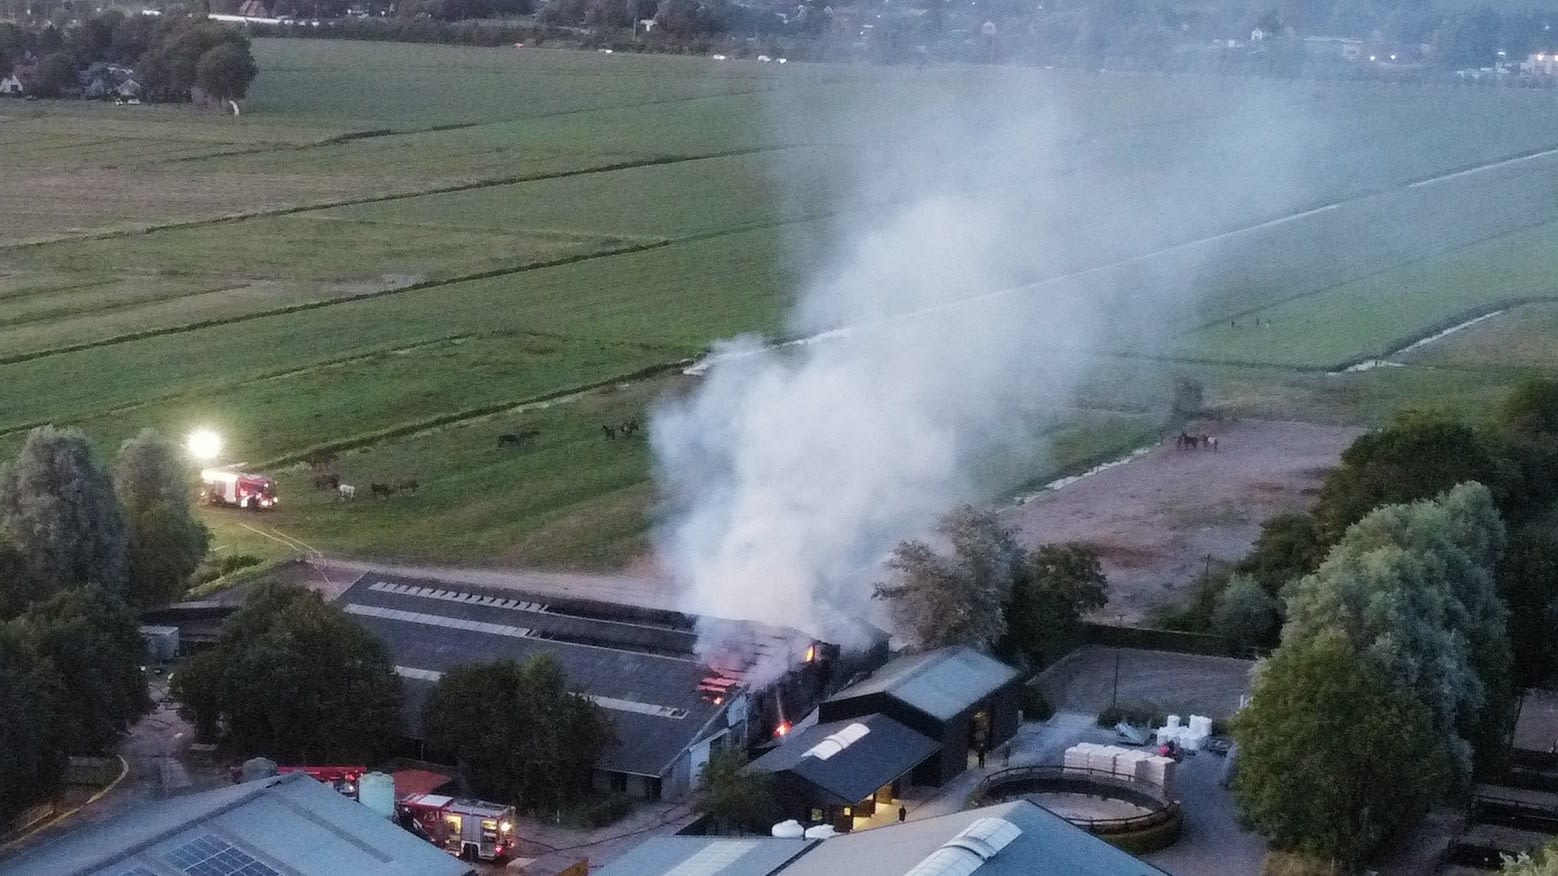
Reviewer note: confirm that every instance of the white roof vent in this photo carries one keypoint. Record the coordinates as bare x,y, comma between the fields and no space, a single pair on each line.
969,850
837,742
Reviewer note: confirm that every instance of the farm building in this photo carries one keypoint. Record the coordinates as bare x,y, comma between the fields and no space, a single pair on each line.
671,708
11,85
1003,840
839,772
284,824
961,699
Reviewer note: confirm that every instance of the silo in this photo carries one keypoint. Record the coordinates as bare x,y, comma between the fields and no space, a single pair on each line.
377,792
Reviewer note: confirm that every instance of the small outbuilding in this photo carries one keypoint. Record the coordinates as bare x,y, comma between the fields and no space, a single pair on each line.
839,772
963,700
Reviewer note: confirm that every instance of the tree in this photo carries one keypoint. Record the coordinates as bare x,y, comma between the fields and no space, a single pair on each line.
1245,614
959,598
1332,758
1528,583
225,71
31,759
89,638
517,731
1410,586
1544,863
1057,586
56,73
58,510
1527,423
1289,547
1418,456
735,799
294,679
165,540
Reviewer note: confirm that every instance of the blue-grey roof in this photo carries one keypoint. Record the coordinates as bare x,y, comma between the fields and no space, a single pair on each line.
640,665
886,751
1044,843
940,683
707,855
289,825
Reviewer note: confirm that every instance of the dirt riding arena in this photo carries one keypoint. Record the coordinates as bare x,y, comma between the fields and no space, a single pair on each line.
1157,519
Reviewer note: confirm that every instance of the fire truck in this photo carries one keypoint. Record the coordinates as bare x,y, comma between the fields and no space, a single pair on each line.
469,829
250,491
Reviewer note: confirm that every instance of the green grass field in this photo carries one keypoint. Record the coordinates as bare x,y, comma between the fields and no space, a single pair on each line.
405,250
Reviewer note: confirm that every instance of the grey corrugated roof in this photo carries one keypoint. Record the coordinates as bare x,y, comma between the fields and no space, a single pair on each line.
888,750
642,658
940,683
293,824
725,856
1046,844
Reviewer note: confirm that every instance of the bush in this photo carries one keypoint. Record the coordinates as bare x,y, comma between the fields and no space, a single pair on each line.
224,566
1034,704
601,812
1290,864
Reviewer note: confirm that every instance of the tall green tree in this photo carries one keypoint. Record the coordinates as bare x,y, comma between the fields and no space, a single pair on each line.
1245,614
735,799
166,542
59,511
1332,756
294,679
89,639
1418,456
32,760
225,71
957,597
1055,588
517,731
1528,583
1289,547
1411,588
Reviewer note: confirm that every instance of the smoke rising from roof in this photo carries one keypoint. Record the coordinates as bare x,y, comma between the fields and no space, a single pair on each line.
792,471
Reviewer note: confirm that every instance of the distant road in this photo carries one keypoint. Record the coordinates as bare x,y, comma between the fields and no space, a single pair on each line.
644,590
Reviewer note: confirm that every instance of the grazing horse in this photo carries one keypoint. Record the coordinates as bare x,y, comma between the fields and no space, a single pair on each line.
1185,441
518,439
408,485
347,491
610,433
508,439
327,482
381,491
1211,443
319,459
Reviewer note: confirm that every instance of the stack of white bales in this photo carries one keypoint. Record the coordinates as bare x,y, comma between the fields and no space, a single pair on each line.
1123,762
1189,737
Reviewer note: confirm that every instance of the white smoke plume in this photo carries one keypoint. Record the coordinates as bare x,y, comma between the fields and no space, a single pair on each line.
791,472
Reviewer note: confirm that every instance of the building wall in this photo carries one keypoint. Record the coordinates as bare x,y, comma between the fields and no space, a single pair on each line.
955,736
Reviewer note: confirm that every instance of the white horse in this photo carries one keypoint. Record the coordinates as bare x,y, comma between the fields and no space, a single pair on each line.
347,491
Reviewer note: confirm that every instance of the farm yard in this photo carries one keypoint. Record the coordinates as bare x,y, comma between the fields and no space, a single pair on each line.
399,253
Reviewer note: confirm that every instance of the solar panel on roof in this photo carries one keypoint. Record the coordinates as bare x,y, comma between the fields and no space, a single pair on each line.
137,871
210,855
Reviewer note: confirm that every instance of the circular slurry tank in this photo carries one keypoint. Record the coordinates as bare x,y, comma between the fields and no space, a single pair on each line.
1122,810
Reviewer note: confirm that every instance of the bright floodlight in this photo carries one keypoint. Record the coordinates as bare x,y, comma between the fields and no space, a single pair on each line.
204,444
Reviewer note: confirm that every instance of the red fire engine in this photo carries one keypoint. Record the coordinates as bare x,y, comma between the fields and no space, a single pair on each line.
251,491
469,829
342,778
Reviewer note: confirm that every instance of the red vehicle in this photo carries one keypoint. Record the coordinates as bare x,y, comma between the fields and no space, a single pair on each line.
469,829
251,491
342,778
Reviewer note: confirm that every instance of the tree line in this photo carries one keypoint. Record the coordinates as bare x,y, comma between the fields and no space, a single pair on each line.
82,549
171,55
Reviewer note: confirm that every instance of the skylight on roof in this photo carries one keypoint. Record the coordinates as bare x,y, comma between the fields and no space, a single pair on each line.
837,742
969,850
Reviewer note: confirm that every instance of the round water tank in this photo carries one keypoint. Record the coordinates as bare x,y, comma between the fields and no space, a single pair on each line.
789,829
377,792
821,831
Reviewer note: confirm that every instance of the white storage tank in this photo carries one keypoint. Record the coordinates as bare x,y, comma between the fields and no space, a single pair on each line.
788,830
377,792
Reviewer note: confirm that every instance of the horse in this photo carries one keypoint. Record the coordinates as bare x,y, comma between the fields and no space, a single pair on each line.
319,459
610,433
1211,443
381,491
347,491
1185,441
408,485
518,439
630,427
508,439
327,481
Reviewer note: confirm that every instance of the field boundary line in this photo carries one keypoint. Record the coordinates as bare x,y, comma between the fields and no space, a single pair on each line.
378,436
449,188
304,306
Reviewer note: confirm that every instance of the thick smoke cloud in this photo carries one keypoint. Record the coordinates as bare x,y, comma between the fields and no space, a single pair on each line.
791,471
